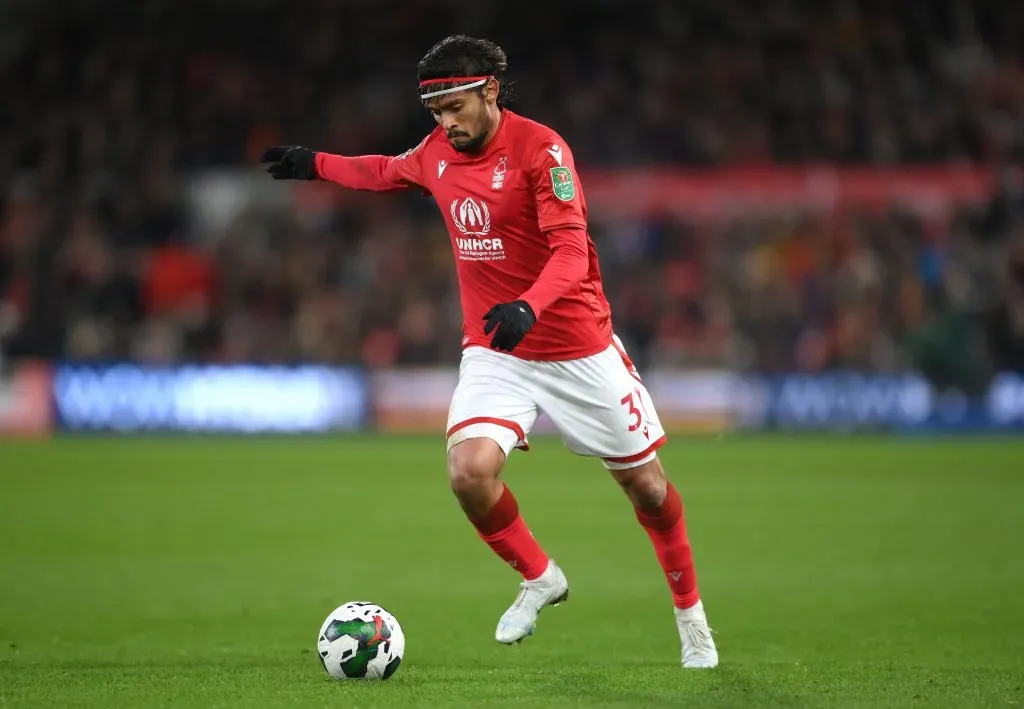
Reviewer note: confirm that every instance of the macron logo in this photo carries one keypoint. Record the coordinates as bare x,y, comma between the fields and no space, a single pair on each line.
556,153
441,165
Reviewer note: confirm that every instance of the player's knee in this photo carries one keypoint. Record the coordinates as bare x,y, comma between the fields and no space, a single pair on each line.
645,485
473,464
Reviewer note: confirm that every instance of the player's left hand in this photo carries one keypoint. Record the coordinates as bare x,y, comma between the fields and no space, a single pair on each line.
510,323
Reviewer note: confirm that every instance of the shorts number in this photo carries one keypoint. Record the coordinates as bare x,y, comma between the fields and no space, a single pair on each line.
639,414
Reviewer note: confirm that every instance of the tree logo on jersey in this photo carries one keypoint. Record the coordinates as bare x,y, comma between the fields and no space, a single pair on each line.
470,217
498,179
562,184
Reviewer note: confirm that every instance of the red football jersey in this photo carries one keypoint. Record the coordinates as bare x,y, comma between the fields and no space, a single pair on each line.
499,205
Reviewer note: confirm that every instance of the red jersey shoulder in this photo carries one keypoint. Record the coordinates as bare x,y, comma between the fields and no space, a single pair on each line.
548,156
414,162
553,177
538,142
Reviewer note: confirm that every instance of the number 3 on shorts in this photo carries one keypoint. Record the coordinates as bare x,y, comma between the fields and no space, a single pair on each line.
638,415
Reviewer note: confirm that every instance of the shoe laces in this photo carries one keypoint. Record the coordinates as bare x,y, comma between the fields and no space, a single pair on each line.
525,588
698,633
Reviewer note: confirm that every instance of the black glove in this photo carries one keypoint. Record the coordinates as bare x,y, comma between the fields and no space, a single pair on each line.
512,320
290,162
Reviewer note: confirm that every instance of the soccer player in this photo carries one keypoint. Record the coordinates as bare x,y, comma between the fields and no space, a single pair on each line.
537,327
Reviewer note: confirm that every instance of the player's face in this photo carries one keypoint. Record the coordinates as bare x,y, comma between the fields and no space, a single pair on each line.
465,118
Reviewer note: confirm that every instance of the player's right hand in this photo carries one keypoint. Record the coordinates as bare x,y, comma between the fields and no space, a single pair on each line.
290,162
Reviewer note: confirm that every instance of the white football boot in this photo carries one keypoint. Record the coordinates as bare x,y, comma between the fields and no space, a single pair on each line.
549,589
699,649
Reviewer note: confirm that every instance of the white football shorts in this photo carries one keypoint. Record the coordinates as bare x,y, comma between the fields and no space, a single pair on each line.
598,404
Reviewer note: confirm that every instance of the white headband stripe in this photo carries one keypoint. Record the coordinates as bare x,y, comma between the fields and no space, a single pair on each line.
463,87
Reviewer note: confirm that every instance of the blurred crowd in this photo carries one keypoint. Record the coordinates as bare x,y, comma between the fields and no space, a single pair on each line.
111,112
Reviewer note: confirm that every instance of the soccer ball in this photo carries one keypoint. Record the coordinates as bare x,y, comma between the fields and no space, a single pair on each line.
360,641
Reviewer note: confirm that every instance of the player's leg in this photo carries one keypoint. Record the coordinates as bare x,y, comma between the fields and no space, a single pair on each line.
602,409
659,509
474,469
492,411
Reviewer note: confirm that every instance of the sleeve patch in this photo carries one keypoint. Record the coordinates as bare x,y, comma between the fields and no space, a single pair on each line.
562,183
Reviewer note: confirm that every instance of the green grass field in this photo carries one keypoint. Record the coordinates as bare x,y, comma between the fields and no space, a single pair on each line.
196,572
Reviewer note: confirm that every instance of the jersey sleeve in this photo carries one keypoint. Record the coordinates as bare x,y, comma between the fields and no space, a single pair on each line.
376,173
556,186
567,266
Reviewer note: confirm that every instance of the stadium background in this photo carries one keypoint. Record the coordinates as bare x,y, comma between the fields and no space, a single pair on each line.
776,189
810,216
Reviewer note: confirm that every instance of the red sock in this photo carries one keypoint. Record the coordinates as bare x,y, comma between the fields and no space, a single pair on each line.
667,530
507,534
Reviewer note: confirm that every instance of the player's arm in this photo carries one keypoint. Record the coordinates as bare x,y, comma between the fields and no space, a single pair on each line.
560,217
377,173
565,269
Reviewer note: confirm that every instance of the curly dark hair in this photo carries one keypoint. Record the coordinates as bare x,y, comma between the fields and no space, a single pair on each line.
460,55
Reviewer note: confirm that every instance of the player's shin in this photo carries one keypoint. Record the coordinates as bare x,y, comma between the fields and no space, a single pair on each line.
659,509
493,509
505,532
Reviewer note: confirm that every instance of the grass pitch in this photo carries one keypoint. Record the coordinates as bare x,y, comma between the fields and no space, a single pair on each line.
186,572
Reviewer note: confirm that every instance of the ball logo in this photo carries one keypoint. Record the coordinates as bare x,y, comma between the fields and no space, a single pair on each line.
471,218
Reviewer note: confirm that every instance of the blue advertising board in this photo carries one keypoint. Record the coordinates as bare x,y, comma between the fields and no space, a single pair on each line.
310,399
209,398
852,401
